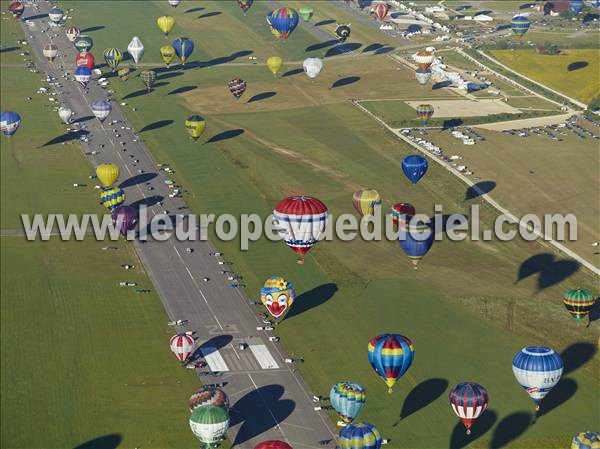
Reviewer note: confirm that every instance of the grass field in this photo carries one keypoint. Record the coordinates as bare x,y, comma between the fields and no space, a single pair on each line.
574,73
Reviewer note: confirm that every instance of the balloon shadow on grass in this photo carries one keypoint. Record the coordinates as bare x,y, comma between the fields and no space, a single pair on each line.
342,49
8,49
372,47
137,179
169,75
67,137
577,355
312,298
510,428
325,22
191,10
182,90
137,93
421,396
345,81
156,125
259,411
35,17
577,65
84,119
92,29
216,61
321,45
459,438
209,14
564,390
292,72
261,96
110,441
384,50
225,135
441,85
550,270
478,189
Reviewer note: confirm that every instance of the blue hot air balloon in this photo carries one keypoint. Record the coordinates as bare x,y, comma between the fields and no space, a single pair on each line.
537,369
520,25
360,435
101,109
9,123
415,240
576,6
390,355
414,167
83,75
183,48
347,399
284,21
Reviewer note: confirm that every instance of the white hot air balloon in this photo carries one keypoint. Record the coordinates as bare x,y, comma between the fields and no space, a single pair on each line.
50,52
174,3
101,109
136,49
65,114
423,76
55,15
312,67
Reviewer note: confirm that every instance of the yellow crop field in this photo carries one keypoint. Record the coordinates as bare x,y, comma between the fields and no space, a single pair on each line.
574,72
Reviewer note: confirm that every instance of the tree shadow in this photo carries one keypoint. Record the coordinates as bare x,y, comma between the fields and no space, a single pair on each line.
149,201
229,134
311,299
441,84
110,441
261,96
210,346
510,428
459,438
292,72
422,395
446,225
342,49
92,29
577,355
345,81
182,90
478,189
209,14
8,49
156,125
564,390
137,179
191,10
325,22
321,45
550,270
260,410
67,137
84,119
168,75
372,47
577,65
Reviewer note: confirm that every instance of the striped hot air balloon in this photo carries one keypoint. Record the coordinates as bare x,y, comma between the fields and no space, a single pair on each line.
468,400
586,440
579,302
347,399
183,48
425,112
237,87
72,33
365,201
182,346
112,198
101,109
148,77
113,57
390,355
284,21
402,213
519,26
424,59
208,396
537,369
381,10
9,123
16,9
360,435
209,424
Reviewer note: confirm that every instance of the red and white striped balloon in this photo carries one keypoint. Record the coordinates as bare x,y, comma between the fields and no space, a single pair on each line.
182,346
468,400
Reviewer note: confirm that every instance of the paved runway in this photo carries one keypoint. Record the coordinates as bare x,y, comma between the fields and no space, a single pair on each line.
269,400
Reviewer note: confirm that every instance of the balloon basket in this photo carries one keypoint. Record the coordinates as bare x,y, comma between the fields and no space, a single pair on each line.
390,391
300,261
468,431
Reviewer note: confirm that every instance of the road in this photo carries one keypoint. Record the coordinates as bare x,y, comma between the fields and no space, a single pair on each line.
269,399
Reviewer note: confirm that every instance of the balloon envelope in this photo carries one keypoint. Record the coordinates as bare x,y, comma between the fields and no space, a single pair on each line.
55,15
342,32
360,435
273,444
537,369
347,399
101,109
365,201
209,424
195,126
50,52
65,114
165,24
402,212
312,67
208,396
85,59
416,240
245,5
422,75
520,25
167,53
579,302
424,59
72,33
390,355
16,9
306,13
576,6
125,219
381,10
277,295
107,174
414,167
83,43
112,198
113,57
274,63
468,400
9,123
586,440
182,346
136,49
83,75
237,87
148,78
183,48
284,21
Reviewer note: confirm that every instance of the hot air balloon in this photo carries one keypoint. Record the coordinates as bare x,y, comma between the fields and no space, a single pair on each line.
402,213
312,67
9,123
123,73
208,396
125,218
424,59
112,198
579,302
83,43
365,201
195,126
113,57
519,26
55,15
209,424
245,5
306,13
83,75
347,399
73,33
274,63
182,346
381,10
174,3
416,240
165,24
167,53
576,6
16,9
414,167
360,435
148,78
277,295
300,221
273,444
108,174
284,21
136,49
183,48
424,112
342,32
50,52
390,355
85,59
423,75
537,369
101,109
468,400
237,87
65,114
586,440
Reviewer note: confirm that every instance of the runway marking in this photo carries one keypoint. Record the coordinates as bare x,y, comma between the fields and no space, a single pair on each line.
214,359
264,357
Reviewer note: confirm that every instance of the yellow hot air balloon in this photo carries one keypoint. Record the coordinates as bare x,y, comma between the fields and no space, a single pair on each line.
274,63
195,126
166,24
365,201
107,174
167,54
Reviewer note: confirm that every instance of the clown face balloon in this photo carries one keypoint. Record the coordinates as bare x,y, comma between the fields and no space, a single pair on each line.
277,295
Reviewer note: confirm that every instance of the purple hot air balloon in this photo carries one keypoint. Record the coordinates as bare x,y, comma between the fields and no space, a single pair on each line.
125,219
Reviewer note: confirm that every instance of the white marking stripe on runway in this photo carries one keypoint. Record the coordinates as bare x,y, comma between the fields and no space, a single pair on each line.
214,359
264,357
